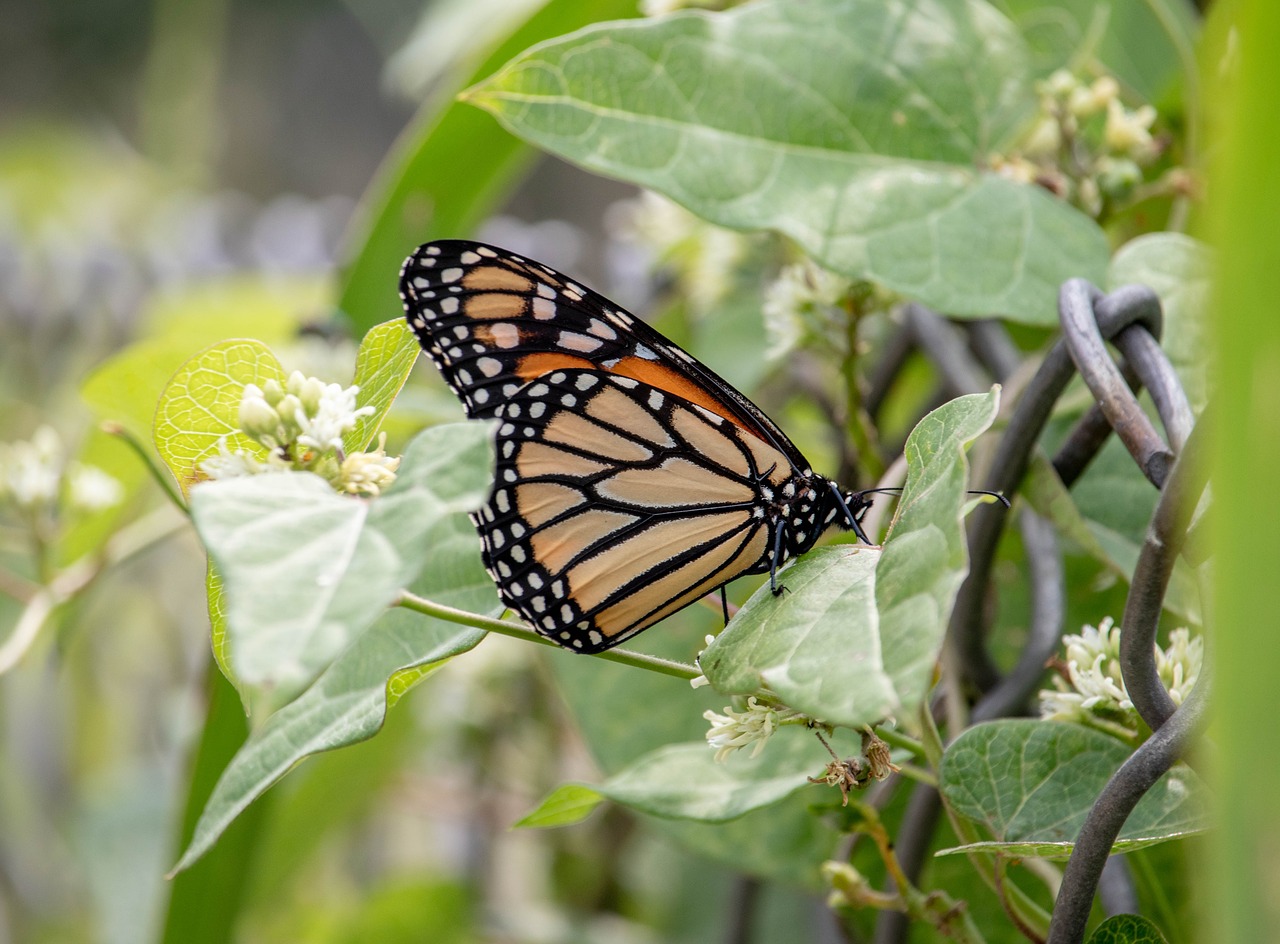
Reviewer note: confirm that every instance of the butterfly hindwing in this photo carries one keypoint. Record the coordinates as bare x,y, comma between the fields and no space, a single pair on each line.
615,504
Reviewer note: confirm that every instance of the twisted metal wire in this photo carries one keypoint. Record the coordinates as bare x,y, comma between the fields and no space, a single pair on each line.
1127,310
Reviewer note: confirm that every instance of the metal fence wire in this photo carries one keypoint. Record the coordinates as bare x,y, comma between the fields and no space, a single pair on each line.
967,360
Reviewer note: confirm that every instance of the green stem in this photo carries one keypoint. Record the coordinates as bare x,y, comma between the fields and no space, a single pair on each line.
160,474
868,456
519,631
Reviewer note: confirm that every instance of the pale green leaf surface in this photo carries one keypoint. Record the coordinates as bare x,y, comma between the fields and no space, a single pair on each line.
856,127
567,804
306,569
1179,270
856,636
925,556
817,646
685,781
349,700
386,356
1032,783
200,407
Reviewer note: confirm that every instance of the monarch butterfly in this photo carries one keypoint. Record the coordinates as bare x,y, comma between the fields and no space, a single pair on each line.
631,480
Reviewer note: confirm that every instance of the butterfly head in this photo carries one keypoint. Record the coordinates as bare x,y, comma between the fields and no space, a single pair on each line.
847,509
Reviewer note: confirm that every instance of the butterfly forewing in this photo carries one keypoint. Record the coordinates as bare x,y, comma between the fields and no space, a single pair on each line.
493,321
616,504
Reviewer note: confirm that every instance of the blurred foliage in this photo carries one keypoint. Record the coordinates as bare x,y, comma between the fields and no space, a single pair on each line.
227,177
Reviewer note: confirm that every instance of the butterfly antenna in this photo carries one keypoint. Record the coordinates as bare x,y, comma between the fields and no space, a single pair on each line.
999,496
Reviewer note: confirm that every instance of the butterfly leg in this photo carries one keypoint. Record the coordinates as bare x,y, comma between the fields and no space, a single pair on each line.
724,604
776,558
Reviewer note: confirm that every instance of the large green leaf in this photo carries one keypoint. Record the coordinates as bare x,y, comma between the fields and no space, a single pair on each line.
1032,783
451,168
856,127
305,569
349,700
857,635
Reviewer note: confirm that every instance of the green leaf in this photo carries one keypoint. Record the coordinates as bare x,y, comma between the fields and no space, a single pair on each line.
816,646
567,804
1032,783
419,192
349,700
857,128
386,356
346,704
1179,270
857,636
200,407
1145,45
685,781
1127,929
306,569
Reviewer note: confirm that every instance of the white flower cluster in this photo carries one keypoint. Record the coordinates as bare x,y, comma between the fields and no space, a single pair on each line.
1093,691
301,424
703,256
735,730
802,297
1087,145
32,474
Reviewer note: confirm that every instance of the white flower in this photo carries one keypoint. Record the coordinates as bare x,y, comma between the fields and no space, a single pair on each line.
229,465
31,471
1094,691
334,413
1179,665
368,473
734,730
92,489
1129,132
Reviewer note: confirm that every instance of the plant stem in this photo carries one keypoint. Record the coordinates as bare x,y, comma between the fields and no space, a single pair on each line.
162,477
637,660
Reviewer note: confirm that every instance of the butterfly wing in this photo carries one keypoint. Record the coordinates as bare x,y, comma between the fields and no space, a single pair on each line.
631,479
493,321
616,504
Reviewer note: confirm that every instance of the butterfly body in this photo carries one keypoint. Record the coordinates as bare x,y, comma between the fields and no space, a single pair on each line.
631,479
